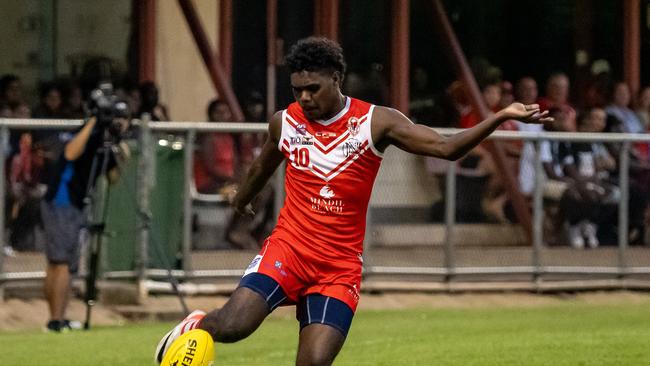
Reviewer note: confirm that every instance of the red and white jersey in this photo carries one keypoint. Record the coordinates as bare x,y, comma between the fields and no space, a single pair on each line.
331,168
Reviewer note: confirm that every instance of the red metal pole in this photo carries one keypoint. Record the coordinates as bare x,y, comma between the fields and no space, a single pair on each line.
399,46
330,19
459,62
271,55
225,36
632,44
217,74
318,16
146,40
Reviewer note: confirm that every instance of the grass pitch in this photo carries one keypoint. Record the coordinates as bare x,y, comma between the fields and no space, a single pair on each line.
567,334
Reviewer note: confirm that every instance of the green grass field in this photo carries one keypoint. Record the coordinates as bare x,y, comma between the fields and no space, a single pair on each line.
567,334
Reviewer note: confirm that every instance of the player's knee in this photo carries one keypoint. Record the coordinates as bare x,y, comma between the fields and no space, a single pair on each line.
224,328
317,357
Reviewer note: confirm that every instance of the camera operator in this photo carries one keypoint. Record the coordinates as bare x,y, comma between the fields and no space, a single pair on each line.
70,177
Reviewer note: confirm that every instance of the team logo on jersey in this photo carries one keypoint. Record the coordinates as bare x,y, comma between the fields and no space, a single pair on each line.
325,134
353,126
351,146
301,129
301,140
326,192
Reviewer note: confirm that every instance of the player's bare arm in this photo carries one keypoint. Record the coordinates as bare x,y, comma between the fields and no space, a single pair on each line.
390,127
262,168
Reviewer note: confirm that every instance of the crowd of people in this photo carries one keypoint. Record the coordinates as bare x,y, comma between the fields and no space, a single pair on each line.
220,159
581,178
581,185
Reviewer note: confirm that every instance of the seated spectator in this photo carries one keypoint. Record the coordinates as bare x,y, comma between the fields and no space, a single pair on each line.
526,93
643,108
557,96
11,94
150,102
50,103
578,197
622,119
215,159
25,193
216,164
73,103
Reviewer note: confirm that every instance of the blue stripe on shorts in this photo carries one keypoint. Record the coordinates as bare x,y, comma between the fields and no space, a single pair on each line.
266,286
320,309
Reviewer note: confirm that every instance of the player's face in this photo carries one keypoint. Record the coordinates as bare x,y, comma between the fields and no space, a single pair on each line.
318,93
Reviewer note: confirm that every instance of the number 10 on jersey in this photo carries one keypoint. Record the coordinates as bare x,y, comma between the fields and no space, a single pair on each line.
300,157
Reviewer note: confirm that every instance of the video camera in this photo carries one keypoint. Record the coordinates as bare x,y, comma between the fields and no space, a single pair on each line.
108,109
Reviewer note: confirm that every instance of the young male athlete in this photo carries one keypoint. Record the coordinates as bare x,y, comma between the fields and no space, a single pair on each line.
333,145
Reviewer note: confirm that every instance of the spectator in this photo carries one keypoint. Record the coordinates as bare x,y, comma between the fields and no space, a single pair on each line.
619,108
491,96
73,103
507,96
11,94
50,102
577,196
557,96
526,93
25,193
215,171
643,108
150,102
215,161
590,169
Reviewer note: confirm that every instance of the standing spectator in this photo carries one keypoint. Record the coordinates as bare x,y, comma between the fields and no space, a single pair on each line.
507,95
150,102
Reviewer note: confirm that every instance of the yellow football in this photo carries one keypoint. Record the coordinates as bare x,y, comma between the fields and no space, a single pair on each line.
194,348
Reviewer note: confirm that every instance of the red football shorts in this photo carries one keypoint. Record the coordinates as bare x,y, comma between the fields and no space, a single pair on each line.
304,272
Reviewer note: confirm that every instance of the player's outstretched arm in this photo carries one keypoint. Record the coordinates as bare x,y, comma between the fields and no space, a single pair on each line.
393,128
261,169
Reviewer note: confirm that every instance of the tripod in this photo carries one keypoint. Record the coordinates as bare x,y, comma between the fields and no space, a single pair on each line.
97,224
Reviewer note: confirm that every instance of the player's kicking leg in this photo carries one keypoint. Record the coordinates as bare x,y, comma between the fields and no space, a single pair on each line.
254,299
324,325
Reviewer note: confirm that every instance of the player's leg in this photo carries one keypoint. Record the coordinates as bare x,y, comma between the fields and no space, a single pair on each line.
324,324
238,318
255,298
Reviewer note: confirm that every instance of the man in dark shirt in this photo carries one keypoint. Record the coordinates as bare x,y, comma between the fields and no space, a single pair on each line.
67,175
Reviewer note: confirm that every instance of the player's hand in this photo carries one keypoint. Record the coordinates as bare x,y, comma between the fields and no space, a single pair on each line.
528,113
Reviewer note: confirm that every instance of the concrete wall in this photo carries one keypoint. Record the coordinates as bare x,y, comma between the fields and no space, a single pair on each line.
181,75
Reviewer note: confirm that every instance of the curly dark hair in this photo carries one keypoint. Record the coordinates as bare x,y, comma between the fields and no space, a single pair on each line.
316,54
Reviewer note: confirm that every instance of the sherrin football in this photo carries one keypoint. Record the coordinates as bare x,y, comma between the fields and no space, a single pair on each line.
194,348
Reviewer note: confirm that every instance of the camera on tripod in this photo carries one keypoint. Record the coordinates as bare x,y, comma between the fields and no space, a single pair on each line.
109,110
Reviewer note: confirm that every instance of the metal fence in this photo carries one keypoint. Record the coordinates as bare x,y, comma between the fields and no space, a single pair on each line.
412,230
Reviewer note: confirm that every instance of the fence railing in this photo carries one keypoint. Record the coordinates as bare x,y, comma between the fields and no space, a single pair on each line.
427,257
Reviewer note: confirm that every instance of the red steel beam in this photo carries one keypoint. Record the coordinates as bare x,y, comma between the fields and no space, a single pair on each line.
632,44
146,13
399,56
459,62
318,15
326,18
271,55
225,36
215,70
